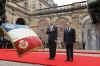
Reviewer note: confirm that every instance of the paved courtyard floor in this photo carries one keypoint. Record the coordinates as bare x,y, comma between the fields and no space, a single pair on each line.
8,63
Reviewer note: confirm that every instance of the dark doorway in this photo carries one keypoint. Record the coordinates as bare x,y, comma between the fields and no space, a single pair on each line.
20,21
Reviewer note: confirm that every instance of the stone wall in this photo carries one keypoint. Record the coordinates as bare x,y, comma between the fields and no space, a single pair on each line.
60,20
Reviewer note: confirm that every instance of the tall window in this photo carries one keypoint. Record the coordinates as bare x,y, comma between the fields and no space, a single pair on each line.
33,4
26,3
40,6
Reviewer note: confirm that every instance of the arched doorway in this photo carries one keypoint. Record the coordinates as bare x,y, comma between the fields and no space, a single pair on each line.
89,34
20,21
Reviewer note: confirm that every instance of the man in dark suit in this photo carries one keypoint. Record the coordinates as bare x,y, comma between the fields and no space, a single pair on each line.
52,39
69,40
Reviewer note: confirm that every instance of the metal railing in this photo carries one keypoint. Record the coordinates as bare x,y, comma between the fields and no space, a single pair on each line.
54,10
60,9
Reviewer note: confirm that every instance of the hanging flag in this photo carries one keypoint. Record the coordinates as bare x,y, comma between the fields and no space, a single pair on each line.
94,10
23,38
2,7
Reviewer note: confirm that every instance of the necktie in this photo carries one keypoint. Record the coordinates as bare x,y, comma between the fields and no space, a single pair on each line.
51,28
68,29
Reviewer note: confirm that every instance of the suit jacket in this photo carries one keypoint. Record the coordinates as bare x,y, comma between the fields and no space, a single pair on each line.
52,35
69,36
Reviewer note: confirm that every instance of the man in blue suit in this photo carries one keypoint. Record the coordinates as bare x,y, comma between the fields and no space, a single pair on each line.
52,39
69,40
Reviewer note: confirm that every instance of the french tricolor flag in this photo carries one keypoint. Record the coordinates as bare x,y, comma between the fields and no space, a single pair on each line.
23,38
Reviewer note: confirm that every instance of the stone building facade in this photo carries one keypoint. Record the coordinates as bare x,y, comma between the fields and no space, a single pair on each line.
60,20
25,9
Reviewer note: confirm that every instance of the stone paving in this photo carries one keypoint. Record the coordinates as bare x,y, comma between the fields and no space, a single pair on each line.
8,63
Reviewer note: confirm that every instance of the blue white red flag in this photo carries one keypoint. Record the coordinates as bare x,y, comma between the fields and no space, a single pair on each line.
23,38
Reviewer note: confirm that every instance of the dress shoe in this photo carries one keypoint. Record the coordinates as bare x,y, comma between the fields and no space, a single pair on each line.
71,60
67,60
51,58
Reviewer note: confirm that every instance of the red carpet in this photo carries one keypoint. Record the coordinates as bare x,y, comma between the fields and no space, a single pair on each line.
42,58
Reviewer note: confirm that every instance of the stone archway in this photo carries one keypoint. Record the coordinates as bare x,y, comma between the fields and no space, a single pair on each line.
89,34
20,21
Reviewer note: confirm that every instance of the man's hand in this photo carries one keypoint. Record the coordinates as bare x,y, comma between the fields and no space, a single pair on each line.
74,43
55,41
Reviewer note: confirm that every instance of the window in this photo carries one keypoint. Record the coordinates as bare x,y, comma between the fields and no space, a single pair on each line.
26,3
